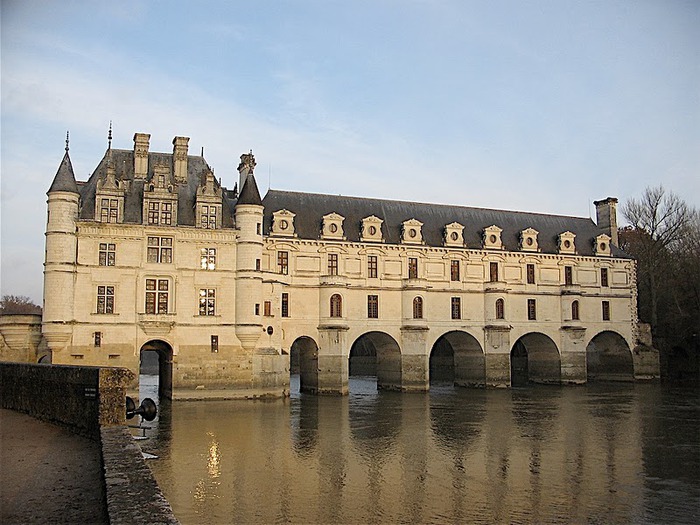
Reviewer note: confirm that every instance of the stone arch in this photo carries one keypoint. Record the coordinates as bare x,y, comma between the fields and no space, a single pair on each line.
383,349
535,358
458,357
303,359
162,366
609,358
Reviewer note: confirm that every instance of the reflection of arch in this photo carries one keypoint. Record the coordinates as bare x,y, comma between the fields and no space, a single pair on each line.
387,358
535,358
608,358
304,351
458,357
164,367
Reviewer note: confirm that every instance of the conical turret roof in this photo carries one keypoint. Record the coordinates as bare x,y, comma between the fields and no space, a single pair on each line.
65,178
249,192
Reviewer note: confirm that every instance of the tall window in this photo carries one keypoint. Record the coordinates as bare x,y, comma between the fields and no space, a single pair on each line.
160,249
456,308
157,291
372,266
373,306
531,309
606,310
208,217
500,309
332,264
454,270
207,301
107,254
267,308
105,299
336,305
98,339
160,212
493,272
568,275
207,258
109,209
530,273
283,262
412,268
285,305
575,314
604,277
214,343
418,308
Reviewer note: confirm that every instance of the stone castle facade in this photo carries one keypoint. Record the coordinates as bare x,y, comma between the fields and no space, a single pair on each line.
231,289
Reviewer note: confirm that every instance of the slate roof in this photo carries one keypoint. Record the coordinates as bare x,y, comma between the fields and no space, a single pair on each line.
249,193
123,161
310,208
65,177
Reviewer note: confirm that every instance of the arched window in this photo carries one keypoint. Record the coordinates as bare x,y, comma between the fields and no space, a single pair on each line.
500,309
418,308
574,311
336,305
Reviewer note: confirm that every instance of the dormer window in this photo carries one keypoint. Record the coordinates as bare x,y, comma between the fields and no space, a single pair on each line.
371,229
528,240
492,238
454,235
283,223
333,226
160,202
208,203
566,243
601,246
412,232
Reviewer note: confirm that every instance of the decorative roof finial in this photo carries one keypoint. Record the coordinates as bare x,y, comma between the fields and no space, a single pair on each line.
109,136
67,141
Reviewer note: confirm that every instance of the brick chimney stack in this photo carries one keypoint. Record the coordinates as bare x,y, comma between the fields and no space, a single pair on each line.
180,145
141,141
606,217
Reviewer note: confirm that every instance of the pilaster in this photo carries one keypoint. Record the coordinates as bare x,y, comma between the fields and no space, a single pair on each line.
497,355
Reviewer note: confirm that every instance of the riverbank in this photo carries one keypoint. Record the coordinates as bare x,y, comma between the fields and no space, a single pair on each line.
50,474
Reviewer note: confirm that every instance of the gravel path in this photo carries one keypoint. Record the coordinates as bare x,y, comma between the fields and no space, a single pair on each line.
48,474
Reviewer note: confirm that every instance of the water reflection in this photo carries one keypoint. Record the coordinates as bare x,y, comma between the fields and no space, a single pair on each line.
622,453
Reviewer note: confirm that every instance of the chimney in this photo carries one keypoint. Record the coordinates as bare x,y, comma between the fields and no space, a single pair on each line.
180,159
606,217
141,155
245,168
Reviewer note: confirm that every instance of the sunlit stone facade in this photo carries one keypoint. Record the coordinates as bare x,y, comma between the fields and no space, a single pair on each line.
231,290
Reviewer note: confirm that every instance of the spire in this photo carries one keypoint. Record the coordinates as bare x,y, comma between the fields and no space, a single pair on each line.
249,192
65,178
109,136
67,140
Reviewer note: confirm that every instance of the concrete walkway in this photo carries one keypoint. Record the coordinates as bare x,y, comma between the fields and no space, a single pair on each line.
48,474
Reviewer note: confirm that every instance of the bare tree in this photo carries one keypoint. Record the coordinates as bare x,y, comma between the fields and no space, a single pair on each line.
18,304
661,221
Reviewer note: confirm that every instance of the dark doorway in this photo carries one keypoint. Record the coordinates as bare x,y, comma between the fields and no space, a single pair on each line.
303,360
376,354
156,369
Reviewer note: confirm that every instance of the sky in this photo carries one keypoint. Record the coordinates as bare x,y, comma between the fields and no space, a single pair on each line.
539,106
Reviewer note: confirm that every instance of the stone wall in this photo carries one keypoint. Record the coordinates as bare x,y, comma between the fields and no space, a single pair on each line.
80,397
91,402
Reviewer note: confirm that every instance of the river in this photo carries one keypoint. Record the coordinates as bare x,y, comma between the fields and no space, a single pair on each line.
607,453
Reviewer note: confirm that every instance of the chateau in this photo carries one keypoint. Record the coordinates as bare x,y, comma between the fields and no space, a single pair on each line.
233,290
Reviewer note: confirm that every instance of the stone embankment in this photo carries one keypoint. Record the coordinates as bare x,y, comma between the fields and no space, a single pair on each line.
90,401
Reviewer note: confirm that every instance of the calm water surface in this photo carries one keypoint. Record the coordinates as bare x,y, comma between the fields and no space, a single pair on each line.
598,454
